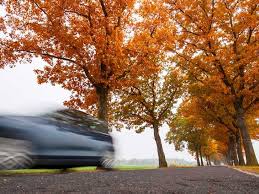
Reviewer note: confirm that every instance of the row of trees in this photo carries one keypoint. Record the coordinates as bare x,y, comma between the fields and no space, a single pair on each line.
218,48
196,128
129,62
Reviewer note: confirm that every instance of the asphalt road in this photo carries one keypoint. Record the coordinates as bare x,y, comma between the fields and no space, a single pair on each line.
181,180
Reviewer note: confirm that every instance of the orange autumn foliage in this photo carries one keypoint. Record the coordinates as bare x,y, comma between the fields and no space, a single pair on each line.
217,46
85,44
94,48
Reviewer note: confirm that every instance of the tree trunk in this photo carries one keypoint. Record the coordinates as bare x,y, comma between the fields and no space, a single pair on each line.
239,150
102,94
197,157
233,150
209,160
248,147
160,151
230,154
236,161
201,157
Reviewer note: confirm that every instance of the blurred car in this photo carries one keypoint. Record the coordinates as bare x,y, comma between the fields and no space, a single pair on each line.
58,139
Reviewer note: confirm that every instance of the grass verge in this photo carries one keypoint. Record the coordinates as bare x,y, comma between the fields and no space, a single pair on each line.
253,169
77,169
45,171
181,166
135,167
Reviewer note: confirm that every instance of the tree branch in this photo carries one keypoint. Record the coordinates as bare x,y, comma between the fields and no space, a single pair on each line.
88,75
169,105
103,8
256,100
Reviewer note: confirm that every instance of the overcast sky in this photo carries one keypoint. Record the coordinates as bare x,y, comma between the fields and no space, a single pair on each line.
20,93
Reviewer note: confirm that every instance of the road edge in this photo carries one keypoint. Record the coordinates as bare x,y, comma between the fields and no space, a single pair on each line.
245,172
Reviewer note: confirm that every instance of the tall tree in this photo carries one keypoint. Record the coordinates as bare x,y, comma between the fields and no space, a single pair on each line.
149,104
217,46
83,43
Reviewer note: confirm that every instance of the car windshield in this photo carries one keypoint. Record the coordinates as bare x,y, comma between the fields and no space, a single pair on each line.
77,118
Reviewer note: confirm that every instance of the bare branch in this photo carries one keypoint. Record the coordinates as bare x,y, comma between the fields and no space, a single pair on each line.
253,102
103,8
88,75
38,6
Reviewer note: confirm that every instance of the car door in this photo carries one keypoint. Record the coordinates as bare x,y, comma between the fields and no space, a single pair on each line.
76,142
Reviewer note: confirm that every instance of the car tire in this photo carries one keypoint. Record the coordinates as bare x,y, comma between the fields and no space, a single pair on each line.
107,161
15,154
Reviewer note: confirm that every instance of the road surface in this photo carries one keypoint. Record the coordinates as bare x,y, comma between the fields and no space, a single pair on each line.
181,180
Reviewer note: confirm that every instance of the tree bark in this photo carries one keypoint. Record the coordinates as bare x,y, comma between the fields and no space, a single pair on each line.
160,151
201,157
236,161
233,150
102,94
229,155
239,150
209,160
197,157
248,147
229,160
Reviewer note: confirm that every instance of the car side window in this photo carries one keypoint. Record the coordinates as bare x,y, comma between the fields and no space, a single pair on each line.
76,120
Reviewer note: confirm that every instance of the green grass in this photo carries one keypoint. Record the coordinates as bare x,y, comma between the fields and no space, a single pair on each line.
181,166
253,169
42,171
29,171
135,167
78,169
